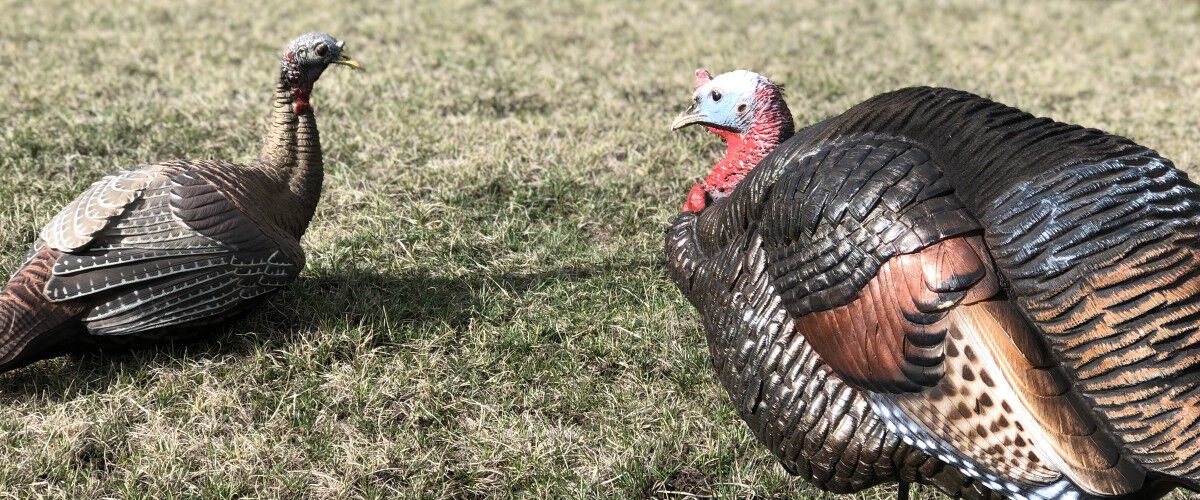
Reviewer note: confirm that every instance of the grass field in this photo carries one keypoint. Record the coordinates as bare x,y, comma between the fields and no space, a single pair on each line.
485,310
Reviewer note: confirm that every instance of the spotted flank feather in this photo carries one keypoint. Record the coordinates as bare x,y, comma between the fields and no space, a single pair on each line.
912,433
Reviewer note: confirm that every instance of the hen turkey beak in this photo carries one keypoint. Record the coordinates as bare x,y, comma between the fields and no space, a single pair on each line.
346,61
690,116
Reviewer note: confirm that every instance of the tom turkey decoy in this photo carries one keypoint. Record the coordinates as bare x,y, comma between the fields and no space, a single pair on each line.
938,288
152,251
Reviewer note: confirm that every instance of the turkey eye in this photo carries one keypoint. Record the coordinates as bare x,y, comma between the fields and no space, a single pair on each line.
322,50
742,108
716,96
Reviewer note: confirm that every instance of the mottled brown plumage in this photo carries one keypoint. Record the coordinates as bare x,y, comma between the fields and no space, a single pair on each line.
1007,298
160,248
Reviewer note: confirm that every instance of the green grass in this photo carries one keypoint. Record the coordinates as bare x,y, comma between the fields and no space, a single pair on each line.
485,310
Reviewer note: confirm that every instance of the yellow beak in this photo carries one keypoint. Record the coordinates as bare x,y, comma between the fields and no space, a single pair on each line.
346,61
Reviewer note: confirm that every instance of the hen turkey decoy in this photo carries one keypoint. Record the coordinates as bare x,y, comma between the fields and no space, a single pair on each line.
152,251
938,288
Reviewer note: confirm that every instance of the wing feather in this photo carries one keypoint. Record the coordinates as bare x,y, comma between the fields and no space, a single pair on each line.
159,247
1104,259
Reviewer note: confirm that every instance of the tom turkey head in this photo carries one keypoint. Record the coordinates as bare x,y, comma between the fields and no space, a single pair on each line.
746,110
306,58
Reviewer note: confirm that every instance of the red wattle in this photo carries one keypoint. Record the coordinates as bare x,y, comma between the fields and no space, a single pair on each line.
300,97
697,199
772,125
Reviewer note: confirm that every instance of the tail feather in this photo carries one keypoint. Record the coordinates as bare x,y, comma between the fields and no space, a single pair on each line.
31,326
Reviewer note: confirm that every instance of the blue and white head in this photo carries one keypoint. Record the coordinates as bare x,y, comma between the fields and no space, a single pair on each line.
748,112
733,102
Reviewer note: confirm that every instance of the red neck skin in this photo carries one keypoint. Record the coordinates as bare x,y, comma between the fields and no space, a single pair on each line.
772,125
300,98
301,83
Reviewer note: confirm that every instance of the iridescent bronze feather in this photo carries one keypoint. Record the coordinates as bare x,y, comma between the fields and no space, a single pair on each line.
1008,295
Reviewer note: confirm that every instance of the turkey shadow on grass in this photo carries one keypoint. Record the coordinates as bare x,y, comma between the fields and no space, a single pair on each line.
393,308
